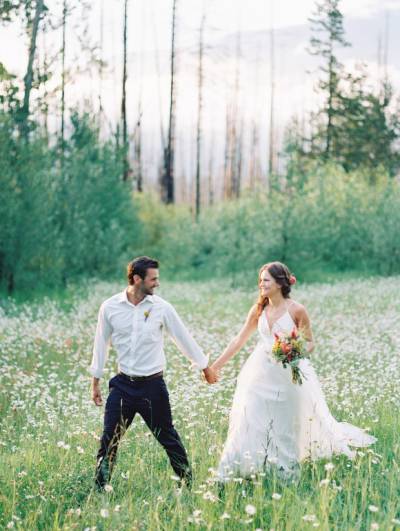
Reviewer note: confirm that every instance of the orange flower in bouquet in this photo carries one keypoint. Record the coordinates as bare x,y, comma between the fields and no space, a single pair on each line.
289,348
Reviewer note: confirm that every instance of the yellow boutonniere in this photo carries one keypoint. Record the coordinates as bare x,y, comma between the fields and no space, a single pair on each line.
146,315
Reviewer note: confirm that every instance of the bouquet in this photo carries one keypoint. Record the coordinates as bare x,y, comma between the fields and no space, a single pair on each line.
289,349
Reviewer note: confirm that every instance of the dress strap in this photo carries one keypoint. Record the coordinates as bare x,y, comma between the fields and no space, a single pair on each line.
288,306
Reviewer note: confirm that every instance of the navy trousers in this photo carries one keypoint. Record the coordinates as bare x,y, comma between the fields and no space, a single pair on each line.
150,399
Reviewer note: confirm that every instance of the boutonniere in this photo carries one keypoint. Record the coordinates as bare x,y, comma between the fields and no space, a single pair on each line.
146,315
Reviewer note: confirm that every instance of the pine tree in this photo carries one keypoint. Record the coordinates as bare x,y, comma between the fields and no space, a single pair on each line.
328,35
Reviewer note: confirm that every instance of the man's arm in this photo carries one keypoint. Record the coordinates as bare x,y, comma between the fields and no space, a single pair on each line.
100,353
186,344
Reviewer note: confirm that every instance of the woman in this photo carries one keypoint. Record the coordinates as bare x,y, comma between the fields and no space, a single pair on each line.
274,421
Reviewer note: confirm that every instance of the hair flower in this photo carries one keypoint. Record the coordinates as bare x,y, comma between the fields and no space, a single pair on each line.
292,280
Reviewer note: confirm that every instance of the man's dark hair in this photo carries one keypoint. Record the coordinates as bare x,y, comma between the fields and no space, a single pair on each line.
139,266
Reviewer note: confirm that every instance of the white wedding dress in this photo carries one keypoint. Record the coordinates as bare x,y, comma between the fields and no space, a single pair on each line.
274,422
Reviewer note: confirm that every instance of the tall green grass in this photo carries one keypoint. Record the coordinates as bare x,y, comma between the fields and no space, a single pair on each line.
49,427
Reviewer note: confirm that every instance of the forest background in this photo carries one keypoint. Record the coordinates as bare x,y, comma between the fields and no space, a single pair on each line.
83,191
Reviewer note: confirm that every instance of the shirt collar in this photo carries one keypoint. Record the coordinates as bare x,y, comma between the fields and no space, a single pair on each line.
123,297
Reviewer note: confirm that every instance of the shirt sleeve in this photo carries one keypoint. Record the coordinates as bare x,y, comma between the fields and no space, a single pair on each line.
183,340
101,344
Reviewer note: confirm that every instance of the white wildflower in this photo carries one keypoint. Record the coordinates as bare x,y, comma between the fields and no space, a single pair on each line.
250,509
309,518
209,496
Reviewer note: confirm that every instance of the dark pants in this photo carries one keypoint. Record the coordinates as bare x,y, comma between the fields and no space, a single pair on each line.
150,399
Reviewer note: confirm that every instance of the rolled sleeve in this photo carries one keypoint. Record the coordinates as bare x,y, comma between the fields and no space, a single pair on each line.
183,340
101,344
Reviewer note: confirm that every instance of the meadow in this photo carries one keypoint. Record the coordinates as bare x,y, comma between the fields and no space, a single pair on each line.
50,428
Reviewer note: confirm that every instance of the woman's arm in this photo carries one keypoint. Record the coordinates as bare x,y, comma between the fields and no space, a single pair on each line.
304,326
237,342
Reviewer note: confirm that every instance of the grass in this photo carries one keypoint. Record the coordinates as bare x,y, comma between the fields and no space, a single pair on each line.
49,427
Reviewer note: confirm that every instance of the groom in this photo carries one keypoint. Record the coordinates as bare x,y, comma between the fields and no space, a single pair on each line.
133,321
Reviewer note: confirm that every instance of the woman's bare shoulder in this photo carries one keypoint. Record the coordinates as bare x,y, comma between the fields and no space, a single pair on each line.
253,312
297,309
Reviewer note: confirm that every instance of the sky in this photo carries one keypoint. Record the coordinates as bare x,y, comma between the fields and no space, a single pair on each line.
149,32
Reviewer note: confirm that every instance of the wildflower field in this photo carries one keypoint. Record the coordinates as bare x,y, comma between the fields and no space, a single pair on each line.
50,428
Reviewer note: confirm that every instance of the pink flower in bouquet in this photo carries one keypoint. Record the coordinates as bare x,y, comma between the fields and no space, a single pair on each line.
289,349
286,347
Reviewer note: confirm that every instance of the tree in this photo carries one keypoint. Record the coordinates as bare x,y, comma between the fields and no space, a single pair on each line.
328,35
357,127
167,180
271,150
137,139
199,115
64,26
125,144
233,135
368,130
39,9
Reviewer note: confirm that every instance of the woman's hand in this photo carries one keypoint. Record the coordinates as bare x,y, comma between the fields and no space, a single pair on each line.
216,367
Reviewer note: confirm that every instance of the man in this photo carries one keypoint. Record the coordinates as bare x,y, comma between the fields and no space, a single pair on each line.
134,321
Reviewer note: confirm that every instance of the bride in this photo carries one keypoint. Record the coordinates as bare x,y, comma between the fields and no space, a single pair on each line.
274,422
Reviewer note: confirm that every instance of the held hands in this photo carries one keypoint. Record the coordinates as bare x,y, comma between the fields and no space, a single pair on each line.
211,375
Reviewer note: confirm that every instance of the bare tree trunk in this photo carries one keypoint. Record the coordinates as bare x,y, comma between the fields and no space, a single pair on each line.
199,116
29,71
167,183
45,106
254,168
239,160
101,63
138,149
271,156
228,154
64,23
386,48
236,142
330,107
211,190
158,70
123,102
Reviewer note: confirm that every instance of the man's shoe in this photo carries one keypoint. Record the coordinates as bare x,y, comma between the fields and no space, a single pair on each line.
186,481
102,474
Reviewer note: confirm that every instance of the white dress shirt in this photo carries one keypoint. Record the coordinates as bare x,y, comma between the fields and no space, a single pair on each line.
136,333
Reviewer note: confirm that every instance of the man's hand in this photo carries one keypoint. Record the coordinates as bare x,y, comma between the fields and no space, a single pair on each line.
210,375
96,393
